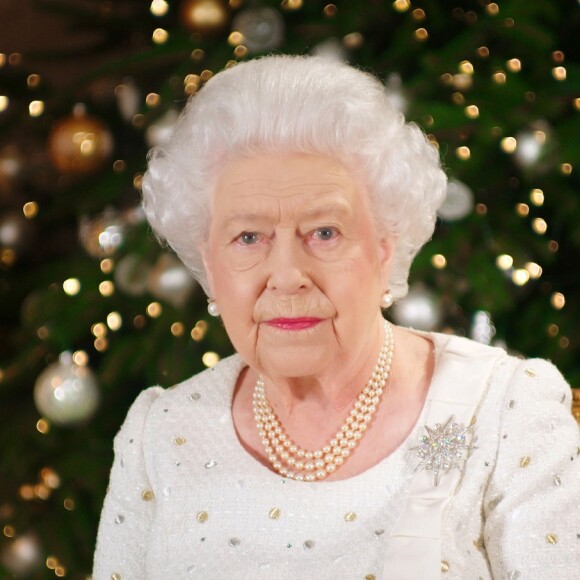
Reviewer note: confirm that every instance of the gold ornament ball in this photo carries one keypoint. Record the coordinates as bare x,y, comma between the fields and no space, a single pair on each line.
79,144
205,16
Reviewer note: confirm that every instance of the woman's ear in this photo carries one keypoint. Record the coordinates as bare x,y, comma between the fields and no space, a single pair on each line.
208,269
386,251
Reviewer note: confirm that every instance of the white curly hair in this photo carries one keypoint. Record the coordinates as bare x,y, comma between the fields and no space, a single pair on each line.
300,104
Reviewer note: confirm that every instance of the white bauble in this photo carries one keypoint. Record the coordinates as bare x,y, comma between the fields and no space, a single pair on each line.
22,555
533,144
66,393
15,232
132,275
420,309
171,281
458,201
482,328
262,28
128,99
161,129
101,235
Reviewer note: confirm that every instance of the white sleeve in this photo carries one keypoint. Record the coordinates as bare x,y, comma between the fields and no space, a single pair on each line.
130,502
532,504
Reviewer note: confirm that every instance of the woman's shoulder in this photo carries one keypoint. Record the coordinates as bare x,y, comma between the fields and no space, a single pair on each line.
213,385
534,379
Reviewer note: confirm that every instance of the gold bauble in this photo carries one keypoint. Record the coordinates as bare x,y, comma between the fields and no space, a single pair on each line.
204,16
79,144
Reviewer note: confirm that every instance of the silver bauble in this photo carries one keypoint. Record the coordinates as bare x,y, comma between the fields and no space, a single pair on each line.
22,555
262,28
420,309
458,202
171,281
101,235
482,328
15,232
132,275
161,129
66,393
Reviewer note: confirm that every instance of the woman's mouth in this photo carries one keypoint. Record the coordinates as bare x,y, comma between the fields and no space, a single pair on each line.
294,323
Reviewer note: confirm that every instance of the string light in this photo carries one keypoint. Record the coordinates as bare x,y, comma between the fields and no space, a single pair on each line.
421,34
43,426
559,73
463,153
107,288
499,77
514,65
68,504
107,265
152,100
80,358
154,310
492,9
520,277
537,197
177,329
30,209
353,40
466,67
36,108
401,5
439,261
114,321
504,262
566,168
558,300
483,52
4,101
99,329
419,14
210,359
235,38
509,144
540,226
159,7
160,36
553,330
330,10
472,111
71,286
522,209
534,269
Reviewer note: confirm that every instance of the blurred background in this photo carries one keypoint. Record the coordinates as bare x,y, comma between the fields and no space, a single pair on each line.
92,309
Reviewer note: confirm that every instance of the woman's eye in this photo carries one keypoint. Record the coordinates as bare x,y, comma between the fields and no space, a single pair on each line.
325,234
249,238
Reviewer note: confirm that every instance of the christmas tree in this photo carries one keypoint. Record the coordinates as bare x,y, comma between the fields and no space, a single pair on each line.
92,309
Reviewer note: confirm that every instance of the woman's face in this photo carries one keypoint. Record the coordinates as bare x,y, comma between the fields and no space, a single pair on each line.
295,264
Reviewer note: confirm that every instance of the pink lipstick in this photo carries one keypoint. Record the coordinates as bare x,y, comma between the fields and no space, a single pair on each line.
294,323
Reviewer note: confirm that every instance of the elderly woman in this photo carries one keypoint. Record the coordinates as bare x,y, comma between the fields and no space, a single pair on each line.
333,444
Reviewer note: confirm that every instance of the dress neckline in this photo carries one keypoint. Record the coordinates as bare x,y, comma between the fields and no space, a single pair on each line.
392,463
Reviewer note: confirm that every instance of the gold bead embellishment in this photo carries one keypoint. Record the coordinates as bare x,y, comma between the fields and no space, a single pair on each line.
552,539
525,461
147,495
115,576
202,517
350,517
292,462
444,566
370,577
179,441
530,372
275,514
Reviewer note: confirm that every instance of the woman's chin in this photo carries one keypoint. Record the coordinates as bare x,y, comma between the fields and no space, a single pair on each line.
294,361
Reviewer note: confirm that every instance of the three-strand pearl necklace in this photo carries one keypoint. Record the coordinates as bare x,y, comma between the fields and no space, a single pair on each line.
289,460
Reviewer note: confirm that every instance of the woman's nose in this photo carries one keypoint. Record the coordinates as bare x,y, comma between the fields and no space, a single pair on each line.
288,265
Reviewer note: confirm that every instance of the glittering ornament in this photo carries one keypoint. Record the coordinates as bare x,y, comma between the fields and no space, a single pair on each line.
331,49
161,129
15,232
22,555
79,144
443,448
205,16
66,393
482,328
132,274
170,280
458,201
11,165
395,93
420,309
533,146
128,99
102,235
262,28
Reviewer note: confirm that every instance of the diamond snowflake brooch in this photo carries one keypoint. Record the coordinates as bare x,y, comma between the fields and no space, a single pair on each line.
442,448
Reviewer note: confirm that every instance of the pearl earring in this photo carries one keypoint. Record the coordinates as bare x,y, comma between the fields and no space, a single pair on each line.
212,308
387,299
